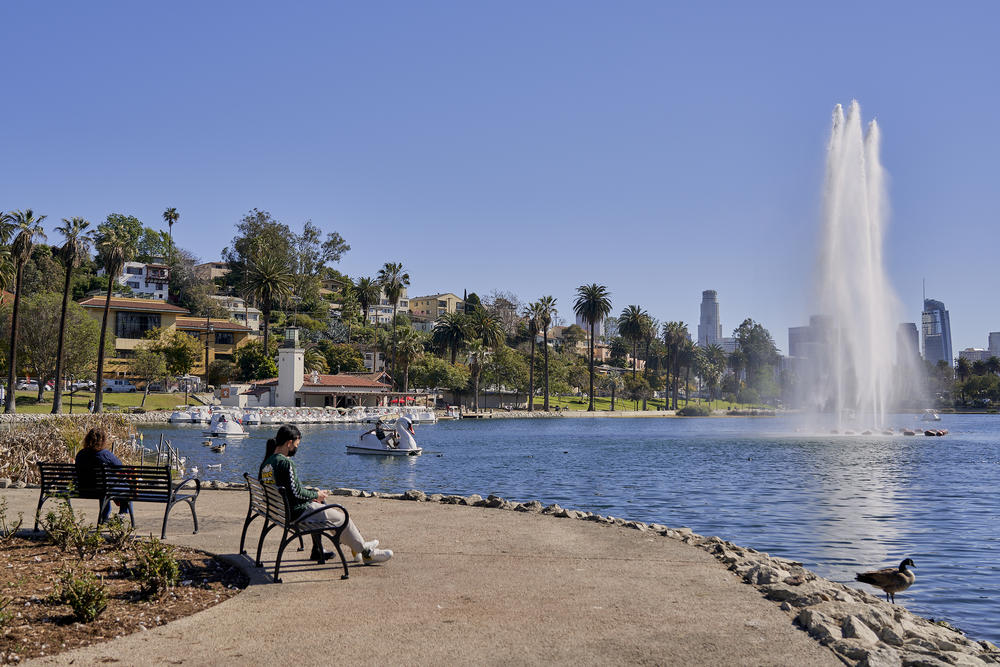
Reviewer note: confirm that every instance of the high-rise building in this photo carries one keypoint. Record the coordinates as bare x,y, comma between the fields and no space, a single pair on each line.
907,344
709,326
936,327
994,344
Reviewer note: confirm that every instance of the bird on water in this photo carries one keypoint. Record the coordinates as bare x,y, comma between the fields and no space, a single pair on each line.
892,580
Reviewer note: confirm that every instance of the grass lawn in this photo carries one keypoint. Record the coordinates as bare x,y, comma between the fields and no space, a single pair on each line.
27,401
602,403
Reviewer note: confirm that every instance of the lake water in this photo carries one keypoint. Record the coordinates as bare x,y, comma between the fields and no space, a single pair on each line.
839,504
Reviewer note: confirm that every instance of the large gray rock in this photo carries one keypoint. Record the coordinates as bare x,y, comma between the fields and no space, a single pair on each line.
892,634
472,500
532,506
414,494
881,657
853,649
822,627
762,574
354,493
854,628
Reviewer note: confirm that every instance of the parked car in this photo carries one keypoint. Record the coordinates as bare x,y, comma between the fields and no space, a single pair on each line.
118,386
84,385
27,385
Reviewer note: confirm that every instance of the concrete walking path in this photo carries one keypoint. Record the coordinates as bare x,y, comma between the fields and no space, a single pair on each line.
467,585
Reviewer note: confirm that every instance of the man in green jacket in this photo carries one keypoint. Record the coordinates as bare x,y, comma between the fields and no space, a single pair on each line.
279,469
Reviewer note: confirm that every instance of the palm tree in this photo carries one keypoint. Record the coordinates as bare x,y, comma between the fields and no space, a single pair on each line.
486,327
737,361
593,304
451,332
24,227
533,314
366,291
630,328
547,306
477,359
687,356
993,365
313,360
77,246
116,247
393,279
650,327
170,216
410,346
674,334
715,358
269,279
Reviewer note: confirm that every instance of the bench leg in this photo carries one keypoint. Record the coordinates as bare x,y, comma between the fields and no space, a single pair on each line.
260,543
194,515
340,552
277,562
243,536
38,510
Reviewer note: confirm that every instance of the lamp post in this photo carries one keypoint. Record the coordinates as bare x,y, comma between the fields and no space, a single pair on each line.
209,329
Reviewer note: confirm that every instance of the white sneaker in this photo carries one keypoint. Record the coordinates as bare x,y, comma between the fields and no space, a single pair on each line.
376,556
370,544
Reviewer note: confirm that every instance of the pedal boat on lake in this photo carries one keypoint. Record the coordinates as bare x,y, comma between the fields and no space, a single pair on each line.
386,440
225,424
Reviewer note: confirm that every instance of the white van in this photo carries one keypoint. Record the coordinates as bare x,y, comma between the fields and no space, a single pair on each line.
118,386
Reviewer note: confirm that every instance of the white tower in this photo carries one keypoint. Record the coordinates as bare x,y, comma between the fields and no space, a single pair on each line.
291,365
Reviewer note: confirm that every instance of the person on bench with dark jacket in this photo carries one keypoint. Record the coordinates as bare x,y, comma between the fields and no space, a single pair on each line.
89,462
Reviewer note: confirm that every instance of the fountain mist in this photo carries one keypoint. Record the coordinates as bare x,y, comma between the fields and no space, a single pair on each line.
853,371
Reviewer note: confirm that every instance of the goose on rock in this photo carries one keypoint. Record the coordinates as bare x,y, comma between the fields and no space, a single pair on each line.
892,580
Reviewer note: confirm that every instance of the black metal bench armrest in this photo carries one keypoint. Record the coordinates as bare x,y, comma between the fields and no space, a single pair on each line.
197,486
319,510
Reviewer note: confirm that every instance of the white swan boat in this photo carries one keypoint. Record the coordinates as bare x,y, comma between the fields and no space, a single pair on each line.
225,425
422,416
930,416
180,415
251,417
383,440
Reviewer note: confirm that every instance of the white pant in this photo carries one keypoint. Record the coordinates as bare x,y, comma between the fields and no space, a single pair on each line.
351,536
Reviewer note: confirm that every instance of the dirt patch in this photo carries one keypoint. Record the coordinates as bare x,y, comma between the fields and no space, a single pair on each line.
30,570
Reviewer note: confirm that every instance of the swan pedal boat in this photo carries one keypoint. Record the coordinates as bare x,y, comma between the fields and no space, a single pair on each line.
397,440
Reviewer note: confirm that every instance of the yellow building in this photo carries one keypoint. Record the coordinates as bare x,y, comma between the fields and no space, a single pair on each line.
436,305
130,319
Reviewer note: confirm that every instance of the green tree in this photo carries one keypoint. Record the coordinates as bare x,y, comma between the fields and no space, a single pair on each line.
547,306
253,363
39,343
367,292
533,315
714,366
76,246
433,372
180,351
342,358
674,335
256,231
393,280
221,372
409,347
477,360
612,383
23,227
451,332
593,304
315,360
170,216
269,280
636,389
507,369
148,365
115,246
630,324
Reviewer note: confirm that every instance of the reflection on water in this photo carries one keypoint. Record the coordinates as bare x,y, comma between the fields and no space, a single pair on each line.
839,504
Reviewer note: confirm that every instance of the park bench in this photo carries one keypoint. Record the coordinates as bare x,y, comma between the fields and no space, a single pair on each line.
273,504
138,484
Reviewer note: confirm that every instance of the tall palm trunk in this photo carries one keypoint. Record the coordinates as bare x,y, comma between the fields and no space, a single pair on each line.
687,384
590,408
666,386
267,324
645,372
99,389
57,396
392,360
531,377
545,351
11,405
677,373
635,356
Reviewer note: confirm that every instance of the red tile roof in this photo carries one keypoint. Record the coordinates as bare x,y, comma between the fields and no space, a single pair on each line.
341,380
198,324
142,305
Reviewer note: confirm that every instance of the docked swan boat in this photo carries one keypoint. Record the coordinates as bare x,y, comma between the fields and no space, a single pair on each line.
385,440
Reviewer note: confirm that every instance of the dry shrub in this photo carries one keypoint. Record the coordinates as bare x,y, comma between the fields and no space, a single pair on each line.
57,439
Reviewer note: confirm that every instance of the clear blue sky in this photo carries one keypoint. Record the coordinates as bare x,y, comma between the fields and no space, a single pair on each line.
658,148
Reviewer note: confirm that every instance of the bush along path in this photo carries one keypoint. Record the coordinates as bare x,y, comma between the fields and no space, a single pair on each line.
77,585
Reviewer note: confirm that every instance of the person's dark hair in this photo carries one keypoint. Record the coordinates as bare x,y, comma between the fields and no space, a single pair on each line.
95,439
285,433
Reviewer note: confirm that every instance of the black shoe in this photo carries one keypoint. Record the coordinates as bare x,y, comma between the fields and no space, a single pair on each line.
320,555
